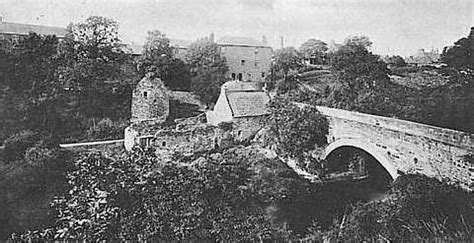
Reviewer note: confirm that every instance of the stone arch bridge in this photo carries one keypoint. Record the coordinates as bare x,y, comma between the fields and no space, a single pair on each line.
404,147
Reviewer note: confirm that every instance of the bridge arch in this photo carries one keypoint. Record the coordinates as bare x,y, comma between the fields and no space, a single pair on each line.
370,149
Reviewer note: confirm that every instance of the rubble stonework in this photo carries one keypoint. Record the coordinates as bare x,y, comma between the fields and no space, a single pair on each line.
150,101
246,106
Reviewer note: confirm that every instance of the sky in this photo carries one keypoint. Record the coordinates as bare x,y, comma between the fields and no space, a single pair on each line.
395,27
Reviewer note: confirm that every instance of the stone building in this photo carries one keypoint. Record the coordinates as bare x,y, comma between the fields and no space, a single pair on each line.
150,108
150,101
244,104
247,59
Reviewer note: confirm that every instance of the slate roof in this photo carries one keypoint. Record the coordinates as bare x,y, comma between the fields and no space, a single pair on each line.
137,49
248,103
239,41
180,43
25,29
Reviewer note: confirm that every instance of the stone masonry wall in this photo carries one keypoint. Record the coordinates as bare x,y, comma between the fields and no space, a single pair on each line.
256,60
409,147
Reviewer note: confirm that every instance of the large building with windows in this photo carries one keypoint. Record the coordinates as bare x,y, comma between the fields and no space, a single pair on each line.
247,59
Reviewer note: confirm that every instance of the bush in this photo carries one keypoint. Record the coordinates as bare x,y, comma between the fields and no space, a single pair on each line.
297,129
417,208
16,145
106,129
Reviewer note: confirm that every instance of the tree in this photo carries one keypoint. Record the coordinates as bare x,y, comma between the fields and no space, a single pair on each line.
208,69
314,48
32,88
362,82
396,61
158,58
297,129
286,59
358,40
461,55
91,54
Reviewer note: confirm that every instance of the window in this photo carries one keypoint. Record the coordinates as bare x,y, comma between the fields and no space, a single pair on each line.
242,62
263,74
240,77
233,76
145,94
163,144
256,63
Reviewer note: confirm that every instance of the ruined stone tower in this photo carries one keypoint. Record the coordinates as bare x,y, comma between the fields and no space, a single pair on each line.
150,101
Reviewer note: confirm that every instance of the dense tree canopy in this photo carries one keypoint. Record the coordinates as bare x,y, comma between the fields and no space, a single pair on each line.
461,55
158,58
396,61
208,69
297,129
286,59
358,40
313,48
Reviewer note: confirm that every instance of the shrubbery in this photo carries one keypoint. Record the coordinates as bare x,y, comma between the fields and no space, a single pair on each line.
17,144
416,208
297,129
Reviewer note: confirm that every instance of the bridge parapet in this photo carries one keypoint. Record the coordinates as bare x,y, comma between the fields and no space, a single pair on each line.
403,146
452,137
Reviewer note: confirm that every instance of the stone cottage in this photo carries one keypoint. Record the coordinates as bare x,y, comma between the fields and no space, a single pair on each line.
242,103
150,108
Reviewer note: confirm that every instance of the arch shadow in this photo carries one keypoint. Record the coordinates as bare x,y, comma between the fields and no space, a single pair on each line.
372,150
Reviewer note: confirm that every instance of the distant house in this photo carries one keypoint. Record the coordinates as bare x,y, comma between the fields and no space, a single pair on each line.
247,58
424,58
16,31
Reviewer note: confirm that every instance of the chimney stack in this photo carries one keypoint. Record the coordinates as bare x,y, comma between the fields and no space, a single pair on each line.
264,40
211,38
281,42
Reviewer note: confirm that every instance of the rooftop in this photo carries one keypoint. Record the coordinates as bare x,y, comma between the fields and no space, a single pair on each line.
25,29
248,103
239,41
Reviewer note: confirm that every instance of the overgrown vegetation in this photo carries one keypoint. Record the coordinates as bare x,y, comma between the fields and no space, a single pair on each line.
416,208
297,129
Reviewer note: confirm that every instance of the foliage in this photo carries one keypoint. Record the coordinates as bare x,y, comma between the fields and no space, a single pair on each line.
354,61
137,197
158,58
29,184
29,85
91,56
417,208
17,144
358,40
314,48
297,129
286,59
207,69
396,61
106,129
286,85
461,55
